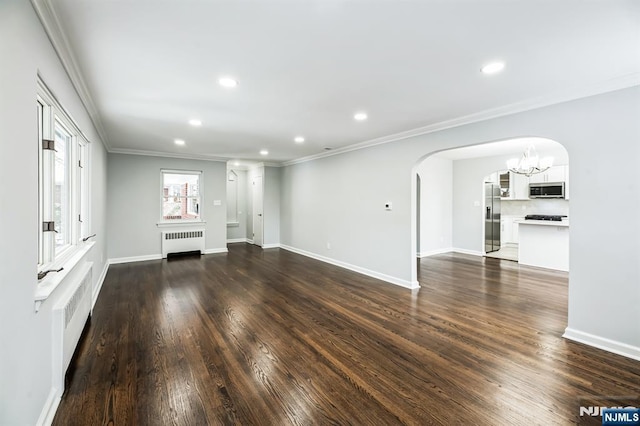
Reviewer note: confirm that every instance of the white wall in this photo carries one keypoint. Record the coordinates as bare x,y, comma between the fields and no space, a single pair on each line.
25,357
340,199
272,184
436,205
239,232
134,188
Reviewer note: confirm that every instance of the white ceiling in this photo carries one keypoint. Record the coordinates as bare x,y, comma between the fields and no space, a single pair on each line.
305,67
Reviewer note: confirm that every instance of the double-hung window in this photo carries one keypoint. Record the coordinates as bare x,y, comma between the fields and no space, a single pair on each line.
62,182
181,196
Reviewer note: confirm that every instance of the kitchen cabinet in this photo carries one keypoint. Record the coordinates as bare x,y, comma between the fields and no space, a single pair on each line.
553,174
519,186
509,227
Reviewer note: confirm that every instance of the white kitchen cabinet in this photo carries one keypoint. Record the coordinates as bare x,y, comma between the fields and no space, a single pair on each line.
553,174
566,182
509,228
519,186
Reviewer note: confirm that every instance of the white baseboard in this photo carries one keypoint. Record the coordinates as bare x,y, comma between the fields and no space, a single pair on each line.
249,241
434,252
465,251
608,345
268,246
117,260
49,409
216,250
96,291
237,240
364,271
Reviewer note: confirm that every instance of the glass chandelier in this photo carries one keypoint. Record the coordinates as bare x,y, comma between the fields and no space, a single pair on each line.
530,163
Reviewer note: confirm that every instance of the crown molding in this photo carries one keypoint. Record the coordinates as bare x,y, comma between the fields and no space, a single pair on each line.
167,154
60,43
567,95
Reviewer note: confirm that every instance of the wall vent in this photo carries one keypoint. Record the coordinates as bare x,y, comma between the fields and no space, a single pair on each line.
70,314
182,241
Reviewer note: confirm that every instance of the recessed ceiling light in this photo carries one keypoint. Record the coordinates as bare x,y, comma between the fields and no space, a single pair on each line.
179,142
264,152
195,122
227,82
360,116
298,139
492,68
236,163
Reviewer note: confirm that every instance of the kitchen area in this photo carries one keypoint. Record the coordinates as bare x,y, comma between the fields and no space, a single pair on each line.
527,217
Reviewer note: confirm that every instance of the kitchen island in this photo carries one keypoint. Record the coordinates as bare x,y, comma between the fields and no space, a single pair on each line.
544,243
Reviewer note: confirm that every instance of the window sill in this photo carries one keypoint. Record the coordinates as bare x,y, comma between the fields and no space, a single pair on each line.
48,284
181,223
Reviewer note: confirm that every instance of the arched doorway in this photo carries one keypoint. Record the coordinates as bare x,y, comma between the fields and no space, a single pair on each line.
449,211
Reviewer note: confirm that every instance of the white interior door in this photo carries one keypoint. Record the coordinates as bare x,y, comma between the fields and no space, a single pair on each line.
258,218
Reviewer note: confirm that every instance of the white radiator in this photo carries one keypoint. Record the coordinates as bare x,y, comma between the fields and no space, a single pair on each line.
181,241
70,315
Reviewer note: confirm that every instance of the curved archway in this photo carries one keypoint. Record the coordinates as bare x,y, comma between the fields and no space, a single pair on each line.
474,162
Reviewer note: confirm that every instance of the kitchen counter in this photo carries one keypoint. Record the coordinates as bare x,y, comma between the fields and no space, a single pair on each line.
544,243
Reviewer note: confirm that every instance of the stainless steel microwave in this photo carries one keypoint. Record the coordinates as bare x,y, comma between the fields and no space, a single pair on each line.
546,190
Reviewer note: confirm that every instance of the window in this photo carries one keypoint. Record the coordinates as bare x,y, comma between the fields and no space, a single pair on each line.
181,199
62,183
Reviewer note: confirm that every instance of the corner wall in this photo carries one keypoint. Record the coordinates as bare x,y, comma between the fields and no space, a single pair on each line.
26,387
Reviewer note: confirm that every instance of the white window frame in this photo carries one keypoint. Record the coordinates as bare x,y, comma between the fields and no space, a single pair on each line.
50,114
200,220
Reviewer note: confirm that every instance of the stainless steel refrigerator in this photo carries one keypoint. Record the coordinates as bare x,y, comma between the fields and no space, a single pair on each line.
491,217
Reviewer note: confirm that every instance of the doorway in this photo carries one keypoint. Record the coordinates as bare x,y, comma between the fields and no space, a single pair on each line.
258,218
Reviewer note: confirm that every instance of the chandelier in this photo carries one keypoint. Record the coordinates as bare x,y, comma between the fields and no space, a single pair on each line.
530,163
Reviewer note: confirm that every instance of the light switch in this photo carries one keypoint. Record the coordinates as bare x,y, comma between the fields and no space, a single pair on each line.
217,202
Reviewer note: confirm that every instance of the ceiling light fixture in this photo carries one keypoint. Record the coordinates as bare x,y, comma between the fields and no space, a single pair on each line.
179,142
360,116
195,122
227,82
530,163
298,139
492,68
264,152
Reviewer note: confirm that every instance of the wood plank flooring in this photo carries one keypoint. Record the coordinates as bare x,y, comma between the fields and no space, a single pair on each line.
269,337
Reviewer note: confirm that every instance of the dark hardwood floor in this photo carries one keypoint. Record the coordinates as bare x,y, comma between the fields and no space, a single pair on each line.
272,338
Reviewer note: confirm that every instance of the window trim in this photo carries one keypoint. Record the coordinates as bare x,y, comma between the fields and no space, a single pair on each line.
51,112
162,222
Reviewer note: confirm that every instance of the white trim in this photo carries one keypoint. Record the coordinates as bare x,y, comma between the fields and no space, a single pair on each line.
180,223
237,240
250,241
117,260
47,285
270,246
603,343
99,282
60,43
565,95
183,156
216,250
49,408
378,275
465,251
434,252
